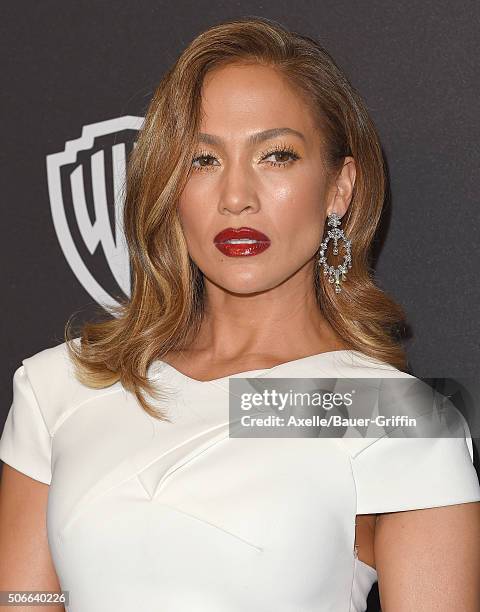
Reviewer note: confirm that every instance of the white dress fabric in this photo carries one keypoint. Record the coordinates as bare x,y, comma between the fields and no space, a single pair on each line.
179,517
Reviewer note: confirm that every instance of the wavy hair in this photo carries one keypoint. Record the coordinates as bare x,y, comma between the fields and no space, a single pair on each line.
167,301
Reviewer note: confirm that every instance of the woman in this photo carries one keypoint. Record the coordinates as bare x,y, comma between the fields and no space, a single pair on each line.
254,147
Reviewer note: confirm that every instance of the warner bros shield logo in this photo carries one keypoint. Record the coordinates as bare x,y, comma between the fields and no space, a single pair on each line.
86,186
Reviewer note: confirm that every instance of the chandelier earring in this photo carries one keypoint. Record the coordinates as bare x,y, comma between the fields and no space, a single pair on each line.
336,274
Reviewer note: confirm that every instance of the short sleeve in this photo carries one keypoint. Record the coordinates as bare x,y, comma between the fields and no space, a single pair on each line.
394,474
25,443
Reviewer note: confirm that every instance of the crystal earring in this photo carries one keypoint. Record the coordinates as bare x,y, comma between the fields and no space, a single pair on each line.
335,274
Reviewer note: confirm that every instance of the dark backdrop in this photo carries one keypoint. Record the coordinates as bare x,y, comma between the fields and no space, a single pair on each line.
67,65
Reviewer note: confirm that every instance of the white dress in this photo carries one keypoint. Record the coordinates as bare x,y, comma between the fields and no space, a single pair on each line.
180,517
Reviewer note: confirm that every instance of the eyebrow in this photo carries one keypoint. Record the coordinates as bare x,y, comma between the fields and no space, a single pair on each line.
254,138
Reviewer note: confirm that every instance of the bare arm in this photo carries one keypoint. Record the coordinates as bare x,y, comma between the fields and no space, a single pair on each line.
25,561
429,559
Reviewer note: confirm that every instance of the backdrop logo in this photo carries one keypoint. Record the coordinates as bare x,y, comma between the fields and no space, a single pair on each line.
86,185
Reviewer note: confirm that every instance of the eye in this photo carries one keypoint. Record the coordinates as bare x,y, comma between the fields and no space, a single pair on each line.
283,155
202,162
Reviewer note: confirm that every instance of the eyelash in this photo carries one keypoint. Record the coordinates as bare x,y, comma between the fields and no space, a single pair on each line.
278,149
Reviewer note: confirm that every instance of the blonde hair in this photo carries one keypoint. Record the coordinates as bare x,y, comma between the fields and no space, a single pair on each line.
167,299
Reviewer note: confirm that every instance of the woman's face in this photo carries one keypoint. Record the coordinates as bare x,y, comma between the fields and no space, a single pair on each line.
258,165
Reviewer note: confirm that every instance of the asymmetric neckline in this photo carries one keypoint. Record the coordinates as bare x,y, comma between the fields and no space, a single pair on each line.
260,371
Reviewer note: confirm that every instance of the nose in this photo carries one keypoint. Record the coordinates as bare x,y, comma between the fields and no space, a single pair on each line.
238,190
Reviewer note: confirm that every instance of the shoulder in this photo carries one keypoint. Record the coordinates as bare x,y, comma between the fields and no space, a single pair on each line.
51,375
391,394
404,466
357,364
374,378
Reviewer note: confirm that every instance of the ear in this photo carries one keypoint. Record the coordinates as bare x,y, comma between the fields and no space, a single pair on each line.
342,189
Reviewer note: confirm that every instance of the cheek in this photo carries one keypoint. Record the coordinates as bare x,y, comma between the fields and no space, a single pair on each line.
298,211
191,212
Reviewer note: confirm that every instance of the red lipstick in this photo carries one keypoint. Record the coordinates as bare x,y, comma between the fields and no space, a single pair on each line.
241,241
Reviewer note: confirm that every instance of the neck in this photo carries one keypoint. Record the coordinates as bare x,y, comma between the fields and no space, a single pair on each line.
281,323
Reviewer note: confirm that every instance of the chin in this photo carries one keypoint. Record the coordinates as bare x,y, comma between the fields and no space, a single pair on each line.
246,282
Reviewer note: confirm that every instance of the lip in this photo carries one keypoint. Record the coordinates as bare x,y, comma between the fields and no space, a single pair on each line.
261,243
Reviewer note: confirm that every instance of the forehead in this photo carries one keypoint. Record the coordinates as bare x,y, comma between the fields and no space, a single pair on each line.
249,97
